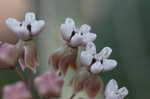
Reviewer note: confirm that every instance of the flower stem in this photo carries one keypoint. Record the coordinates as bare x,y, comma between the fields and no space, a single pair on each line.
20,75
30,79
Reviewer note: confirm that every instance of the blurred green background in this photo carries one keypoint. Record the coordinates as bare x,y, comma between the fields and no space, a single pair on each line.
123,25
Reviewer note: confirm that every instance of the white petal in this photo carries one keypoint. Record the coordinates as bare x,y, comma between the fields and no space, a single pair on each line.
86,58
13,24
123,92
30,17
90,47
89,37
85,28
67,29
111,87
70,21
37,26
76,40
104,53
96,68
109,64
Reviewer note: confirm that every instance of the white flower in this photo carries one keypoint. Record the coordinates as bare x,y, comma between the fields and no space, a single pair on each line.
97,62
68,29
83,36
113,92
27,28
87,56
74,36
103,63
88,36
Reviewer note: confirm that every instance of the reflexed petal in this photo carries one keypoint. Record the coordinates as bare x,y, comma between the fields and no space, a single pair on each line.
79,80
30,56
93,85
54,59
96,68
86,58
109,64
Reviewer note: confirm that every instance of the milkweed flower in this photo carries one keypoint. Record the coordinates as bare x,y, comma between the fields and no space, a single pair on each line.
16,91
49,84
26,30
97,62
87,78
74,37
113,92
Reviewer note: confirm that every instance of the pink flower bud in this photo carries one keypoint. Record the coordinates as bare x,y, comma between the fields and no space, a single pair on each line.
49,84
9,54
16,91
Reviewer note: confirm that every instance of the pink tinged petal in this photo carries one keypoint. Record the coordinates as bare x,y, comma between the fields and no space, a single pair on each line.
37,26
67,28
30,56
104,53
22,62
49,84
109,64
76,40
16,91
68,60
96,68
55,58
93,85
123,92
86,58
79,80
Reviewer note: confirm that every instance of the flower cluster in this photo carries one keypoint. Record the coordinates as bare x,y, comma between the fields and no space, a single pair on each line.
50,84
74,38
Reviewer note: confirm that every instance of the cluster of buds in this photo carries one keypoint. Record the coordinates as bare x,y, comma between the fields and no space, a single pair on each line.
50,84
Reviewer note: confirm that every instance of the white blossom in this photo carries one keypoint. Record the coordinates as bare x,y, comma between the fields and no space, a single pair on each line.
27,28
76,36
87,56
113,92
97,61
68,29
